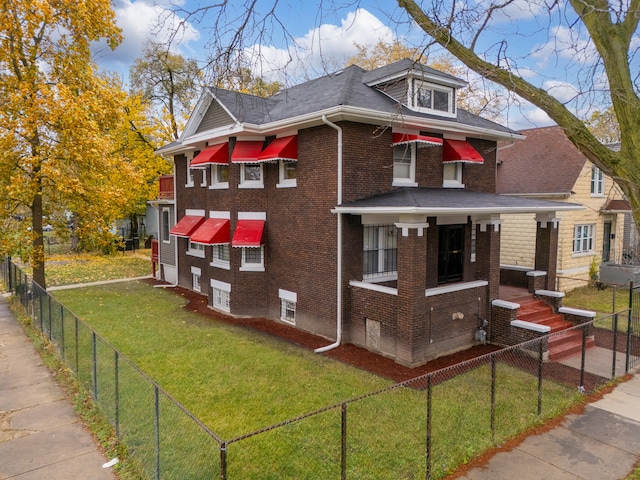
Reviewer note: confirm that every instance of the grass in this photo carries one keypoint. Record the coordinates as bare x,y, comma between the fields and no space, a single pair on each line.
93,267
237,381
603,302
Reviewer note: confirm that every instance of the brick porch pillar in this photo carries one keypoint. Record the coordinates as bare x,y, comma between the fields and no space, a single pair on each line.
412,271
488,256
547,247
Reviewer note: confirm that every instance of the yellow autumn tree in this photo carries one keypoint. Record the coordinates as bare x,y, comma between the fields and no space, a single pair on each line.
56,113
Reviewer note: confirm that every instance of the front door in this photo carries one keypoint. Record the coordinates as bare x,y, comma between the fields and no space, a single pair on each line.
450,253
606,242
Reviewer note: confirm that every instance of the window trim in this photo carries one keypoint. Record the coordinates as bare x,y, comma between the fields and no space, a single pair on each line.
597,182
216,261
252,267
190,173
196,249
196,279
215,184
166,225
251,183
402,181
287,297
382,274
282,181
579,241
416,85
224,288
457,183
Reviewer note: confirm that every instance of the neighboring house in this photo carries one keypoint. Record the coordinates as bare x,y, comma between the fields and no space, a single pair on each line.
164,253
360,206
546,165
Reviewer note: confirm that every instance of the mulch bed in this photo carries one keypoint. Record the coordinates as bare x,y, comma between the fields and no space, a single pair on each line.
347,353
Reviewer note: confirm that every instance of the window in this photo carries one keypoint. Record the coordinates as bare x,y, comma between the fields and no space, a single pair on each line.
252,259
221,255
404,165
597,181
287,177
196,249
583,238
221,295
195,279
190,180
251,175
433,98
452,175
165,225
219,176
288,301
380,251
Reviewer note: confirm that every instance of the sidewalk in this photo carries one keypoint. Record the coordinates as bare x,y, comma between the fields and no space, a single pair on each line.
41,437
601,443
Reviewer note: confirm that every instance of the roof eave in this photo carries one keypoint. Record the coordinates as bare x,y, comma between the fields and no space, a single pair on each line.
435,211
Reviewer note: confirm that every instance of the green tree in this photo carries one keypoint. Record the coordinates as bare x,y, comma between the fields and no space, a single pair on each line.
54,113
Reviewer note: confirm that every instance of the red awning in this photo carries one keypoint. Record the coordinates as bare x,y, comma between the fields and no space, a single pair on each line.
460,151
214,231
285,148
248,233
247,151
405,138
186,226
214,154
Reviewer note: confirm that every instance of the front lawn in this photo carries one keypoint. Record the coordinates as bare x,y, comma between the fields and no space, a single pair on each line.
237,381
93,267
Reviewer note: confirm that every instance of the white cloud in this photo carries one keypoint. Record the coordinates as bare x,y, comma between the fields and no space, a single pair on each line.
565,44
562,91
140,22
324,48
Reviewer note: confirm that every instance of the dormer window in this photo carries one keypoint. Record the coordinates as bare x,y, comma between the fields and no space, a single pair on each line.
431,98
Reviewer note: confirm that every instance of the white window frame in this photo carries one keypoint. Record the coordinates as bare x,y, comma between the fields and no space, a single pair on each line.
196,277
597,182
196,249
382,275
288,304
419,85
251,183
215,183
583,239
203,183
221,295
252,266
190,178
166,224
457,181
284,182
409,181
216,258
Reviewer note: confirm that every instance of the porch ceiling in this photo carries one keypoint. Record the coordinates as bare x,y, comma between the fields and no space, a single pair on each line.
448,201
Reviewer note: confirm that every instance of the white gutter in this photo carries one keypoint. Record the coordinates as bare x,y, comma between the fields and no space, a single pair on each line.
339,249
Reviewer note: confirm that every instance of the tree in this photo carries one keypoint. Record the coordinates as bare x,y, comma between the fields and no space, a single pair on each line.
609,52
170,83
55,112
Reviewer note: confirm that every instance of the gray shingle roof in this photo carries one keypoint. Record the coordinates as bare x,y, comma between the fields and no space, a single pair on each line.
436,201
344,88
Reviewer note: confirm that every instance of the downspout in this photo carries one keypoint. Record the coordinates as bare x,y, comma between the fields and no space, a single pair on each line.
339,246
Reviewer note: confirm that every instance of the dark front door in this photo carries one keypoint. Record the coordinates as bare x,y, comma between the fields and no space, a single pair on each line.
606,242
450,253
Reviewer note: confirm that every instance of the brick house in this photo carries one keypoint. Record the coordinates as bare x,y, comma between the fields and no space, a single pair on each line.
360,206
546,165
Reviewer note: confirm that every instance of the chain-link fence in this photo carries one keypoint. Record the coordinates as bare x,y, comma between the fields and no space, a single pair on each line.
421,428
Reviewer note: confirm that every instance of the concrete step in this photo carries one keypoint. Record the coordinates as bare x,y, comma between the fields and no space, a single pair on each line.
568,343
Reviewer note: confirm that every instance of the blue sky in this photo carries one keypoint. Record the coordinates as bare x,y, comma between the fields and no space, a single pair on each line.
323,35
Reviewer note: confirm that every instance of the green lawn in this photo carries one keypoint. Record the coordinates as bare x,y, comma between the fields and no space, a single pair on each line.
237,381
92,267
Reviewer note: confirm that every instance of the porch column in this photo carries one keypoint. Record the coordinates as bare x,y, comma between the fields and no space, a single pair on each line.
547,247
412,272
488,255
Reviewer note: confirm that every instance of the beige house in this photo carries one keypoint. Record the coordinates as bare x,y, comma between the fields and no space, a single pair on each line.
546,165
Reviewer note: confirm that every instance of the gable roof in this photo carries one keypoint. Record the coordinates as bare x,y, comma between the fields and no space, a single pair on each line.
545,163
344,95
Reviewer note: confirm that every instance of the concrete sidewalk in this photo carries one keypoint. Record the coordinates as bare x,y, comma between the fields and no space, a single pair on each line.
601,443
41,437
